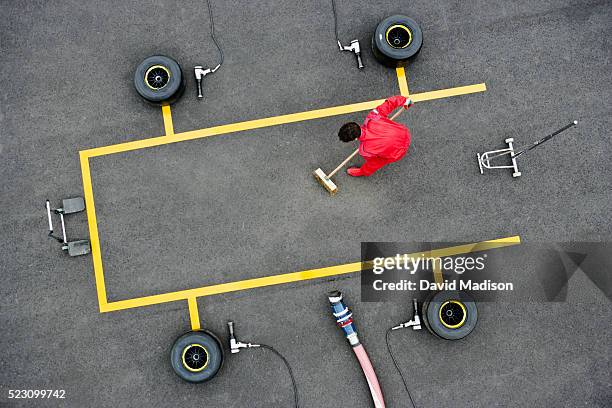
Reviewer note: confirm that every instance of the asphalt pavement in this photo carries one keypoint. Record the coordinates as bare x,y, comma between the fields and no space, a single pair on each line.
244,205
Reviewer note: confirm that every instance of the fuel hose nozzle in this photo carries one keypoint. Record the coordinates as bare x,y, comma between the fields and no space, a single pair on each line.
344,317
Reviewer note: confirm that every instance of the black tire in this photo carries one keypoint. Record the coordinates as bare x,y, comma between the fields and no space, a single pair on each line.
451,315
396,40
159,79
424,311
197,356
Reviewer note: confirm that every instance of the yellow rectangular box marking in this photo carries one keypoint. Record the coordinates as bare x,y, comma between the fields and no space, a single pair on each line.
171,137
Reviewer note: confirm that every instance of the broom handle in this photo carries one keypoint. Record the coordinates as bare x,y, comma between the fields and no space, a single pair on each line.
535,144
545,139
348,159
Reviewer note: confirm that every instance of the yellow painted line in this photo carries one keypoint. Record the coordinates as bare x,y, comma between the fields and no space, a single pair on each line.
273,121
294,276
446,93
171,137
93,232
235,286
475,247
234,127
468,248
167,115
437,273
403,81
194,315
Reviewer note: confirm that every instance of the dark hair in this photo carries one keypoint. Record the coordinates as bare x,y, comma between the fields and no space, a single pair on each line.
349,132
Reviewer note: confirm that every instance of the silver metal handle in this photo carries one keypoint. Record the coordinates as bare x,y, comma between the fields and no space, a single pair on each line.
48,205
359,63
199,81
63,228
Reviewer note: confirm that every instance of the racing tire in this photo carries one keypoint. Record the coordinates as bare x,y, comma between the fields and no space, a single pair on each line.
159,79
424,310
450,315
197,356
396,40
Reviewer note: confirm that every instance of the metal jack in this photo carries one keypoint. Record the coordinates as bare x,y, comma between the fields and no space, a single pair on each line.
69,206
415,323
353,47
485,159
235,345
200,73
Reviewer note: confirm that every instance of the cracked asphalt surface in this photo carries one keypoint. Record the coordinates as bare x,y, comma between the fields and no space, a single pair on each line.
244,205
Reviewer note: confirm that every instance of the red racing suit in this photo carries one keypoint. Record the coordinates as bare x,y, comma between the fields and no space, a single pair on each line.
382,140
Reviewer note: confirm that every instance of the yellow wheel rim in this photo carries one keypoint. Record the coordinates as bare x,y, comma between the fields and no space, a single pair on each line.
398,36
452,314
195,358
157,77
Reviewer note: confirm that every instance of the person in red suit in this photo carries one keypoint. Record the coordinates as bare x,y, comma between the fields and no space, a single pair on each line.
381,140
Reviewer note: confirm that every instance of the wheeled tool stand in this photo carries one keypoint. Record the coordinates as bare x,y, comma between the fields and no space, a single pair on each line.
484,159
69,206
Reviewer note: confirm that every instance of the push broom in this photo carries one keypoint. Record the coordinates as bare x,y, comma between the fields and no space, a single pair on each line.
326,181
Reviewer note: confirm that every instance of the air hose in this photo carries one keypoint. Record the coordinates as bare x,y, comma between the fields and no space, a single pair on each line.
397,367
199,71
293,383
353,47
212,35
335,20
235,347
415,323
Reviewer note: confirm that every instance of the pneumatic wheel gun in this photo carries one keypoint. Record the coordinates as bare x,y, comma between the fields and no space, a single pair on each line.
354,47
200,73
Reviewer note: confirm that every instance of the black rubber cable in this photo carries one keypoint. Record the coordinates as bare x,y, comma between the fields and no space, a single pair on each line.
212,33
397,367
295,390
335,19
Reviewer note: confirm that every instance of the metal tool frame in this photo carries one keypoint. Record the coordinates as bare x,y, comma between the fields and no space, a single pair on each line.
484,159
76,247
